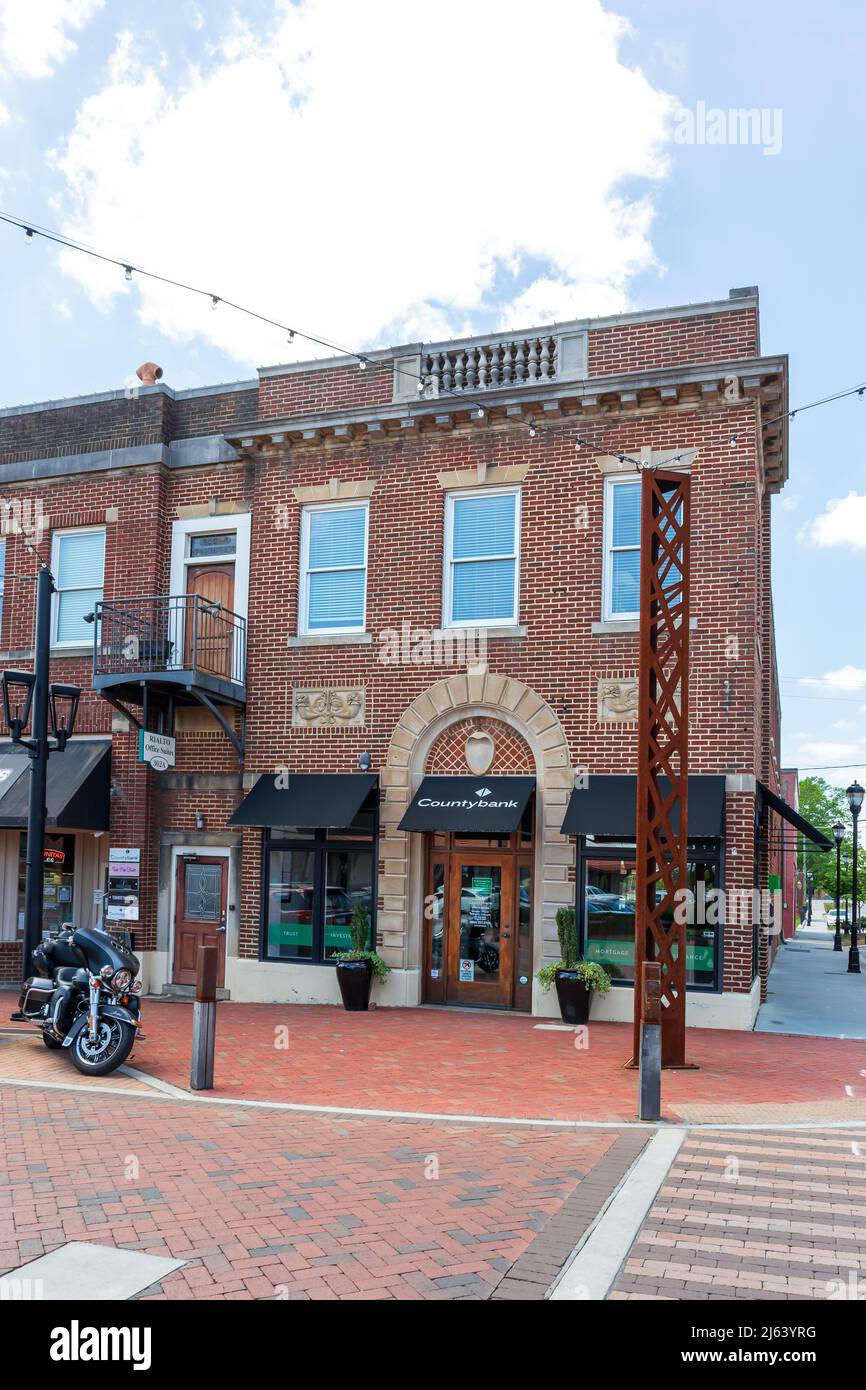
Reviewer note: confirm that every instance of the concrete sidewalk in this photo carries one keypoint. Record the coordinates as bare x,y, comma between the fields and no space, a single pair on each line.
810,991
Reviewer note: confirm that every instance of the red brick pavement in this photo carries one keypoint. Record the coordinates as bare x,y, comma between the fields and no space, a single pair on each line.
464,1062
265,1204
756,1216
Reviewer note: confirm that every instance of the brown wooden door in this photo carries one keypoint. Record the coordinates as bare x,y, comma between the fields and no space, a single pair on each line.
208,634
480,929
201,892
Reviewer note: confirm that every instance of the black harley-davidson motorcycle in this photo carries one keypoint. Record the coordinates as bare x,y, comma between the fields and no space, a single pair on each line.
84,997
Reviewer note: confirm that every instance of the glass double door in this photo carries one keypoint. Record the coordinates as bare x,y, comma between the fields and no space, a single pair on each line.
479,931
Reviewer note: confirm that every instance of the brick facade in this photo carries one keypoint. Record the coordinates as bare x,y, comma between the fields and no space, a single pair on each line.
652,382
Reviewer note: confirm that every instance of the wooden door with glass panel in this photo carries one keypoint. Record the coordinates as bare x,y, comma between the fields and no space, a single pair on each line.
201,892
210,588
480,929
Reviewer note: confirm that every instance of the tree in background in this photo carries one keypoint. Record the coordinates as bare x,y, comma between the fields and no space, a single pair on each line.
823,804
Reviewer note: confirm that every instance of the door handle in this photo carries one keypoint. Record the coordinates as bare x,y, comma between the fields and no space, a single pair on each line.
506,935
221,930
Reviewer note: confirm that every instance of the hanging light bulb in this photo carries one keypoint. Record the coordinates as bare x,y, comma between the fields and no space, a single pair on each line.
127,272
533,429
362,364
28,235
578,444
291,337
214,300
480,413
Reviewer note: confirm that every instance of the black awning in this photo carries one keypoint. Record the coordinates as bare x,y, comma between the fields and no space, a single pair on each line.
490,805
79,786
794,818
310,800
608,806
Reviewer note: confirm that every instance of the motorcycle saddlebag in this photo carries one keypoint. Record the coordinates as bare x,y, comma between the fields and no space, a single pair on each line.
35,993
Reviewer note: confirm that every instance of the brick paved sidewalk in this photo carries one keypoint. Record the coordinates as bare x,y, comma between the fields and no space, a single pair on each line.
471,1063
756,1216
264,1204
447,1062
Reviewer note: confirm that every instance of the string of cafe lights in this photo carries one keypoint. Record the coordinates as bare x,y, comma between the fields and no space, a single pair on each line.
32,229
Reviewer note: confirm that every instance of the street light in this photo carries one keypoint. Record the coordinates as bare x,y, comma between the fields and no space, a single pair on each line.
17,699
29,696
855,794
63,707
838,836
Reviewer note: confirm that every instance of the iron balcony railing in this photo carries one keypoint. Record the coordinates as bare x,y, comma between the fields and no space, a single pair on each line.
170,633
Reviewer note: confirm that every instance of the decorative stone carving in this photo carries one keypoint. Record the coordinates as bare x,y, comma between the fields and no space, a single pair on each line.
328,707
617,700
479,751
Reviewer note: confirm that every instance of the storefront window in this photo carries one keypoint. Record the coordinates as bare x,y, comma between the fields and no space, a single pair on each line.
311,888
609,906
57,885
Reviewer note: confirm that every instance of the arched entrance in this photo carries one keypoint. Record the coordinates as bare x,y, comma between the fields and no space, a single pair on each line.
449,728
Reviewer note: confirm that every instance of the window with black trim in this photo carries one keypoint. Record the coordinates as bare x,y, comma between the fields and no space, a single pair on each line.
606,908
312,882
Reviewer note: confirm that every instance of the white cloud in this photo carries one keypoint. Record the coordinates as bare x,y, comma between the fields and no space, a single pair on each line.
33,33
820,751
852,678
844,724
790,502
843,522
373,173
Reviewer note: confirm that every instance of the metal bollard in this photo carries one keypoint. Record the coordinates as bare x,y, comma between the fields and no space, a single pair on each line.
650,1062
204,1018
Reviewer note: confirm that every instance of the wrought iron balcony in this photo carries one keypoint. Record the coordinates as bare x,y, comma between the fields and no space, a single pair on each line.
181,644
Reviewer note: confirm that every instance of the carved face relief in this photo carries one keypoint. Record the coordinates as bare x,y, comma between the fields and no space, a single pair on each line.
617,700
479,751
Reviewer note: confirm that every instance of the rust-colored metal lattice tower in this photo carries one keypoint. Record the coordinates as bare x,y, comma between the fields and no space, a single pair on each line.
663,728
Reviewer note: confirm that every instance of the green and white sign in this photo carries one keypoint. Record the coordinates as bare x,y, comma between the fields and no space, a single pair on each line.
156,749
483,886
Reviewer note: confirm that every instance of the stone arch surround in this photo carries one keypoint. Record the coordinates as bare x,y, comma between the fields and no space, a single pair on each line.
478,694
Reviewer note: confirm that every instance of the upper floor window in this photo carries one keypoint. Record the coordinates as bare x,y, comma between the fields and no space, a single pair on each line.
78,564
482,544
621,585
333,590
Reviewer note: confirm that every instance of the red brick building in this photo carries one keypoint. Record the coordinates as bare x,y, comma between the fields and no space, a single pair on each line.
329,572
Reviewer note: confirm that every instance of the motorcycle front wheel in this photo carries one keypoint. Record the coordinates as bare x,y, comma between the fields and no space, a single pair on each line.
107,1051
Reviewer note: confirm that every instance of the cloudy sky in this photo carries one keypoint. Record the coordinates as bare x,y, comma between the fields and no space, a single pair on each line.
377,171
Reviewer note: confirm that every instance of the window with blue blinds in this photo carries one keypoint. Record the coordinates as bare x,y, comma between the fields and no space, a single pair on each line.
79,565
482,558
622,524
334,543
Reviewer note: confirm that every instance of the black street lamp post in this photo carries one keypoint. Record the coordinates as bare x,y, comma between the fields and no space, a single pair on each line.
838,836
810,885
855,794
26,694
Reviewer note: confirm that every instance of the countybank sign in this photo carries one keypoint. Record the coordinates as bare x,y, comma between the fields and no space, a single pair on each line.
494,806
468,805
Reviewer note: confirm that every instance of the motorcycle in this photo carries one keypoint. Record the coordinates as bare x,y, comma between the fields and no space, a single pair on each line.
84,997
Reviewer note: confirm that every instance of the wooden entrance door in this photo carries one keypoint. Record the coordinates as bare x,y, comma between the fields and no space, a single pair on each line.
209,632
201,892
480,929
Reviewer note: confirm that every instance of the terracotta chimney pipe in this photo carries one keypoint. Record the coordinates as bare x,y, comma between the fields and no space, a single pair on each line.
149,373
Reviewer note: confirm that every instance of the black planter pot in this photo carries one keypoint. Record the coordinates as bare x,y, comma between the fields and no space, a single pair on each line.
355,978
574,997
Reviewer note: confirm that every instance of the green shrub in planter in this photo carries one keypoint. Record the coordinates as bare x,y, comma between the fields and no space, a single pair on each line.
359,931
